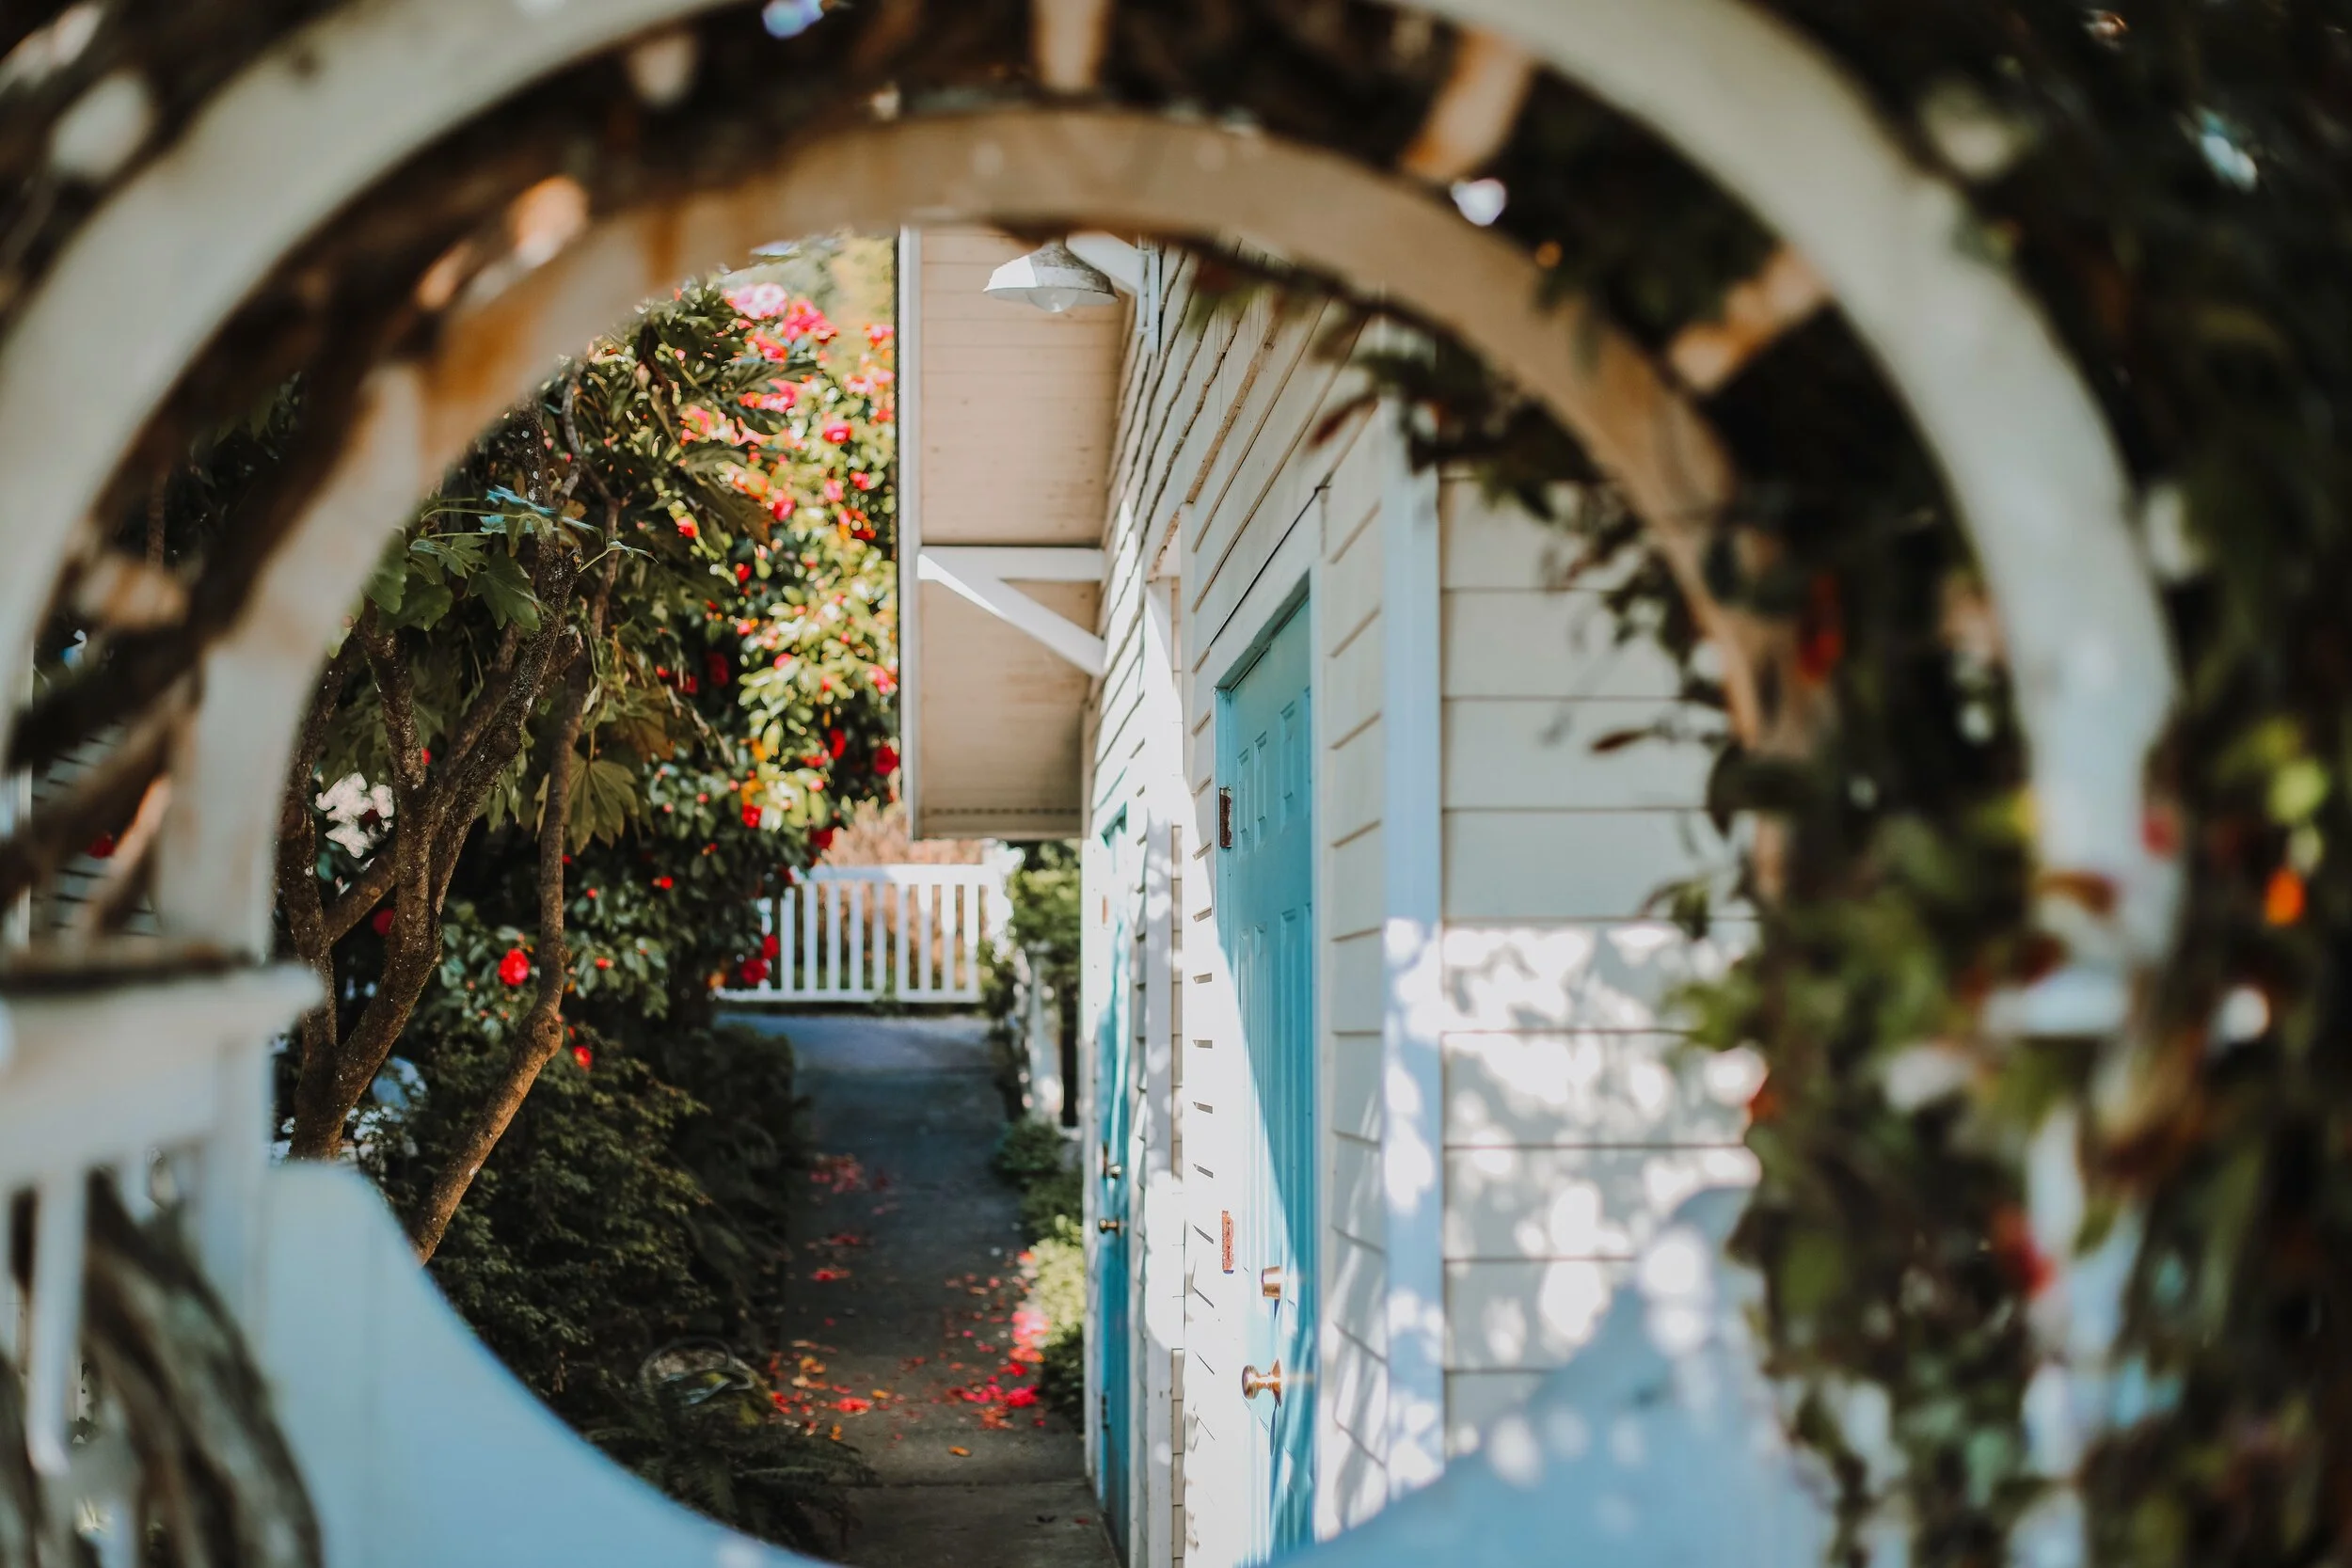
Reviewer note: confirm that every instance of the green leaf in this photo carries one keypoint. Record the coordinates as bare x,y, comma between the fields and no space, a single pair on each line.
426,603
389,582
507,591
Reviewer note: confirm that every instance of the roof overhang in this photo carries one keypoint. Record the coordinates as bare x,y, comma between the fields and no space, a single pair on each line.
1006,420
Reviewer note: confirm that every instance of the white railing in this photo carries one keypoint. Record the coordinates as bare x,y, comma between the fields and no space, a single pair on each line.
861,933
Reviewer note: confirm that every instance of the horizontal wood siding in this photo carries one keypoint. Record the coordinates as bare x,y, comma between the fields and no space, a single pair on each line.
1576,1118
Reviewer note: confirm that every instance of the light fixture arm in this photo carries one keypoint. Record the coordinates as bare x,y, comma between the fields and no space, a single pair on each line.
1111,255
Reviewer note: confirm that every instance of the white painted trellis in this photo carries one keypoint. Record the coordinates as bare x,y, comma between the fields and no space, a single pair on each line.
868,933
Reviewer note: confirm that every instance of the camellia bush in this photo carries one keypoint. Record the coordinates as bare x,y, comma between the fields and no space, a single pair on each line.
620,681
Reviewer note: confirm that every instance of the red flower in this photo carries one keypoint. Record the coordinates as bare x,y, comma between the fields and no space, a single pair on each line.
742,571
769,947
382,922
585,1057
686,527
751,814
886,758
821,839
715,666
424,754
1821,630
688,685
863,482
604,963
835,742
1022,1398
833,490
662,882
853,1405
754,970
2014,1250
515,967
880,333
837,431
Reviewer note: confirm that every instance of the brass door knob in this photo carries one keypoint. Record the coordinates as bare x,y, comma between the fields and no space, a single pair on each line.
1270,1284
1110,1227
1254,1383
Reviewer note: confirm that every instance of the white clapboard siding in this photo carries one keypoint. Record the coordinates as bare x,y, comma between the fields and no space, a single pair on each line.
1576,1117
59,905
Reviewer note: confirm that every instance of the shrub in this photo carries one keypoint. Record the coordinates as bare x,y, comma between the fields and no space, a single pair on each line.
1028,1152
1060,1294
1050,1198
709,1438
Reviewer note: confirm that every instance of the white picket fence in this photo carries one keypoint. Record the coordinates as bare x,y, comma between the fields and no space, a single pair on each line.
860,933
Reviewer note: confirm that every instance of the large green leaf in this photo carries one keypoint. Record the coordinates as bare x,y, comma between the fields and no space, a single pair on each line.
506,591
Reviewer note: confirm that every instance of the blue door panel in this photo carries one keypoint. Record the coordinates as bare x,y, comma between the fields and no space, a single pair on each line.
1113,1110
1267,893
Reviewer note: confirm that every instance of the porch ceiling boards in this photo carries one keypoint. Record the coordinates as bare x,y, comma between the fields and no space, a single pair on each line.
1008,426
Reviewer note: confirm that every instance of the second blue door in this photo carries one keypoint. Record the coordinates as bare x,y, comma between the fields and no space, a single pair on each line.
1113,1099
1266,776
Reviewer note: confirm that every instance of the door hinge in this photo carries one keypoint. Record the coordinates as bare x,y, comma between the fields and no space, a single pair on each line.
1225,819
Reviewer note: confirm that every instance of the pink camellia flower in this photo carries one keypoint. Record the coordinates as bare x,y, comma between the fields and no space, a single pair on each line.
760,301
585,1057
863,482
833,490
686,527
804,320
515,967
837,431
880,333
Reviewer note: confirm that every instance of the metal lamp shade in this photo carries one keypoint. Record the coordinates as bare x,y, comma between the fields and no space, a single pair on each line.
1052,278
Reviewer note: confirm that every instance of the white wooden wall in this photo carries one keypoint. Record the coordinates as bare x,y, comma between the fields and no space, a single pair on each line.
1574,1123
1569,1123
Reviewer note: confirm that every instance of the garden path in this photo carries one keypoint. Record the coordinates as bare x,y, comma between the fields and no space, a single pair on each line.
904,1280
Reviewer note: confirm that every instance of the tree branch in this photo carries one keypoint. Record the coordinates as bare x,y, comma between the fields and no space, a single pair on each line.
541,1035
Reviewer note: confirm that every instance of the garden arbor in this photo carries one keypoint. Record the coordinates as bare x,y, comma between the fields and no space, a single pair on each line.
419,205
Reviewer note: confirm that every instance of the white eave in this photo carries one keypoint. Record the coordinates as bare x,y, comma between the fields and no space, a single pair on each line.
1007,416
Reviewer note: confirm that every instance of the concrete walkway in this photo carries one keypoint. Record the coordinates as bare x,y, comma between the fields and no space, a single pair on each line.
904,1281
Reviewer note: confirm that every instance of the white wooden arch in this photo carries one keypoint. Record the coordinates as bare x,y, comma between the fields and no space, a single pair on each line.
2039,485
326,114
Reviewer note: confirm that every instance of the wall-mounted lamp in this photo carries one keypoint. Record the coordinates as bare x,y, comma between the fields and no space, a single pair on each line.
1054,277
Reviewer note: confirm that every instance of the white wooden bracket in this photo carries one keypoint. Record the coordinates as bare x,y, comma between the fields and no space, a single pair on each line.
984,574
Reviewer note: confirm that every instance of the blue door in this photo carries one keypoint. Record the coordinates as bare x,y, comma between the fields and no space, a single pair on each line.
1265,778
1113,1108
